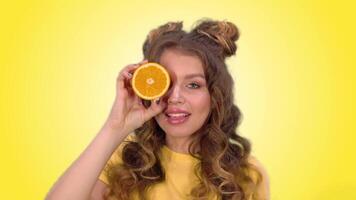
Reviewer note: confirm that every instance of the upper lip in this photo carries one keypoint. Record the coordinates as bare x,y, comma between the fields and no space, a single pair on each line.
175,110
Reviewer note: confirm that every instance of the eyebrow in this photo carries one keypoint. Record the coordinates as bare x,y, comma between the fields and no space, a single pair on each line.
194,75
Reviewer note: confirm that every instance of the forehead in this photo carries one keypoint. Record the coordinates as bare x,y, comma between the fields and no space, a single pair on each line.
180,64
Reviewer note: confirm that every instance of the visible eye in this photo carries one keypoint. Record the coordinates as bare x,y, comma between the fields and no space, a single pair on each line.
195,85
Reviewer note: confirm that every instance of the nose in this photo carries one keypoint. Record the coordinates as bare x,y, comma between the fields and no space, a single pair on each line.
174,95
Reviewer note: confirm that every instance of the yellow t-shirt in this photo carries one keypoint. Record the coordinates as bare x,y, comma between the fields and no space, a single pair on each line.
179,170
180,176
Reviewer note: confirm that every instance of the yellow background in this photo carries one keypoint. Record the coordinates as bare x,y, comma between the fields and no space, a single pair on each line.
294,74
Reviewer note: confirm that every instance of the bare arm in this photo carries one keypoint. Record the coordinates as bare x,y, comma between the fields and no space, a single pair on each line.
99,190
79,179
127,114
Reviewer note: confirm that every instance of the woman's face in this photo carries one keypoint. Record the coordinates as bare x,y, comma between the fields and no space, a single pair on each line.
188,99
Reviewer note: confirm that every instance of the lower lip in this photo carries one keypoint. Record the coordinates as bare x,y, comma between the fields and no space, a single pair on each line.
178,120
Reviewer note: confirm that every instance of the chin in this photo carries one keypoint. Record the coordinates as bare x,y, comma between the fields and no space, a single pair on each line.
185,129
178,133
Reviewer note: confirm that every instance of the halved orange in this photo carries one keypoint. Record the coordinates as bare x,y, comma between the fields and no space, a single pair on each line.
150,81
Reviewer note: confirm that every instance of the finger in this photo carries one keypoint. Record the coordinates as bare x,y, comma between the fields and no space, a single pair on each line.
143,61
120,81
126,74
137,101
123,80
157,106
128,70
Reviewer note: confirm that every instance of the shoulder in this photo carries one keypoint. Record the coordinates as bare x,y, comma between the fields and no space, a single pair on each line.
131,137
263,188
115,159
116,156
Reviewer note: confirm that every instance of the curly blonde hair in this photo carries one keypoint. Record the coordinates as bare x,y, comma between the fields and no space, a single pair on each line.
223,168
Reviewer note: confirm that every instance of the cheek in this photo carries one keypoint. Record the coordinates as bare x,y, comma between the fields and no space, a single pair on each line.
201,104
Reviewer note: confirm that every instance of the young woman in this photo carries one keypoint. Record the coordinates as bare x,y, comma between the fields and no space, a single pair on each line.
182,146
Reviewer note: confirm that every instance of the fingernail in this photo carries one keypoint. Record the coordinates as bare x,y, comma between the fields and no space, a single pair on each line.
157,101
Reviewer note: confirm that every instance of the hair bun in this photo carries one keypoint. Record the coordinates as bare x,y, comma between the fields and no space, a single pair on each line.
223,33
163,29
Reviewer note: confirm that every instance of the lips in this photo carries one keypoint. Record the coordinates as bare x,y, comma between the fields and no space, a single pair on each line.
177,120
176,112
176,115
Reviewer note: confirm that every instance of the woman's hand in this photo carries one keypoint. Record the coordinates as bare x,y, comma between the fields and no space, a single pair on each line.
128,113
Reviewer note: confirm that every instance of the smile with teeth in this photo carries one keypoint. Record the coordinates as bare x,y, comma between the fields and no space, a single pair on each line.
177,115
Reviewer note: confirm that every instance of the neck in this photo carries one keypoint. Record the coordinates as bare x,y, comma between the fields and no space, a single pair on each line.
178,144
